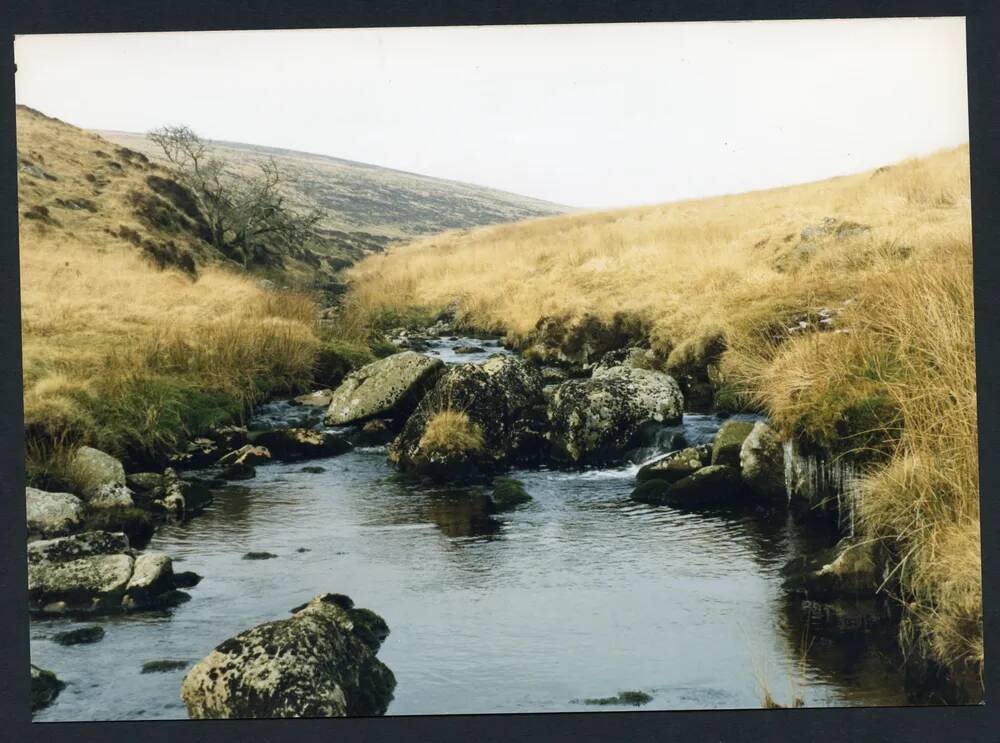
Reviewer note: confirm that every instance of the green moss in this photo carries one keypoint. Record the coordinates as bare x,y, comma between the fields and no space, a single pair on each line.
163,666
508,493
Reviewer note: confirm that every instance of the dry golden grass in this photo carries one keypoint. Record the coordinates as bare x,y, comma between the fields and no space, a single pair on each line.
116,352
452,432
899,384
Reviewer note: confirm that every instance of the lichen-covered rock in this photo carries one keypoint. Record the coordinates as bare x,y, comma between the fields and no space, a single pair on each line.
111,496
717,484
300,443
94,473
502,402
318,663
598,419
728,442
52,514
387,388
762,461
97,572
95,583
86,544
676,465
45,687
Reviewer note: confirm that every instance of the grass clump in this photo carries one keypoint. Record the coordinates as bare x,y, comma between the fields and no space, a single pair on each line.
452,432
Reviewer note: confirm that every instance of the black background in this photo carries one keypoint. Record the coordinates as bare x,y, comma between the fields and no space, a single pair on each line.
806,725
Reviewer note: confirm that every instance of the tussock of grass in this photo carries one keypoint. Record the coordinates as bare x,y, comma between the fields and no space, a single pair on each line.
896,383
452,432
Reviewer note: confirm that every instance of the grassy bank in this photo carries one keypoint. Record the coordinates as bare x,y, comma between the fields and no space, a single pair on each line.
845,311
134,359
136,332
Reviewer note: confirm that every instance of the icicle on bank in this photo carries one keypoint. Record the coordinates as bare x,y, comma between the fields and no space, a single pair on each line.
829,484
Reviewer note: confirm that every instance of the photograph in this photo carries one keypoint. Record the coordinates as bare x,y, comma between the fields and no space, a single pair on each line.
493,369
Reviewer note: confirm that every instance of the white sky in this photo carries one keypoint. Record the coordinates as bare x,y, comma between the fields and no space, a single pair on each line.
585,115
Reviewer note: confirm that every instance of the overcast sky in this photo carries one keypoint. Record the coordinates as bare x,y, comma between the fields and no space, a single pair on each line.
586,115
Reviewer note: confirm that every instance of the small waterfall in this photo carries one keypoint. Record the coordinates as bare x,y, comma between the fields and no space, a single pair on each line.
829,484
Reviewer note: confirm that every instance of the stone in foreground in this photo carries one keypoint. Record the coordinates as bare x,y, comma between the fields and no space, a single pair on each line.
319,663
387,388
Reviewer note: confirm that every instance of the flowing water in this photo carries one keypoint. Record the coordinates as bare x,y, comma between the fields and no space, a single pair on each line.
579,594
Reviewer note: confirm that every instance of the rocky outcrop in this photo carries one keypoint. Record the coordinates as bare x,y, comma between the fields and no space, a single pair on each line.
318,663
729,441
676,465
762,461
96,572
387,388
597,419
499,404
300,443
52,514
45,687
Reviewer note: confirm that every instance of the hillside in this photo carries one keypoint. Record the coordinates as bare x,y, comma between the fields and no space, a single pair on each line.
366,207
841,309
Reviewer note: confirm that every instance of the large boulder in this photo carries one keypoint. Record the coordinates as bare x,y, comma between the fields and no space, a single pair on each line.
300,443
387,388
762,461
99,478
477,417
319,663
728,442
598,419
676,465
52,514
95,583
86,544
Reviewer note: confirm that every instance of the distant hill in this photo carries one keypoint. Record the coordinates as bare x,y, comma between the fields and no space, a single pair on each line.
366,207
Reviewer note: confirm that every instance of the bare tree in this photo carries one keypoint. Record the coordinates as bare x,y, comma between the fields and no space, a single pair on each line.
249,218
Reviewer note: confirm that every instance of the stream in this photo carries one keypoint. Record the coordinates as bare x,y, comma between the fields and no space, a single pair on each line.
580,594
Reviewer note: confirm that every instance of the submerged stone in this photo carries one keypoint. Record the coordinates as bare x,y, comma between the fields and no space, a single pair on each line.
80,636
163,666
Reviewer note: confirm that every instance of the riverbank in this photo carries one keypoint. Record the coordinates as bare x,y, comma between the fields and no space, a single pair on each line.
841,309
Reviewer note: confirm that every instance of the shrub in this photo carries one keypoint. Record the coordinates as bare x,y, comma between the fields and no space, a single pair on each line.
451,432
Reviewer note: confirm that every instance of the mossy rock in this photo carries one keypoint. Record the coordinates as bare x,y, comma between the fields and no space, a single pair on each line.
729,440
79,636
259,556
509,493
626,698
336,359
653,492
676,465
717,484
45,687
